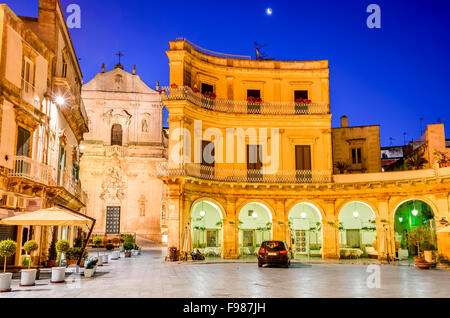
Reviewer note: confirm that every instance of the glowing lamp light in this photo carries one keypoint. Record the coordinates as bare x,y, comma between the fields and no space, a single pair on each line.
303,215
202,213
414,212
254,215
355,214
400,219
60,100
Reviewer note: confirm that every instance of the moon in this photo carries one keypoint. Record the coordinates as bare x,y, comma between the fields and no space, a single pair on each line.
269,11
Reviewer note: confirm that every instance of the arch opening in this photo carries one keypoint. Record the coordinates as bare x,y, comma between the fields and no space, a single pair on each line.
206,228
414,229
255,227
357,231
116,135
305,231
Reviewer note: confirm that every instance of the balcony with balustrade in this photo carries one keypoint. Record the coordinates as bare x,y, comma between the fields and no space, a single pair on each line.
242,107
27,173
208,173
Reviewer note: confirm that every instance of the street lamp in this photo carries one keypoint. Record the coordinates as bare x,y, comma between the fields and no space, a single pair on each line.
355,212
400,219
60,100
254,215
303,215
414,211
202,211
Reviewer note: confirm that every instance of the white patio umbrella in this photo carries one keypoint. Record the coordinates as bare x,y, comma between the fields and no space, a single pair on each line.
187,243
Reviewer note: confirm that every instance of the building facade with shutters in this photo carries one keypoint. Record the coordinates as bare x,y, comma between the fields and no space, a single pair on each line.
125,143
251,159
42,122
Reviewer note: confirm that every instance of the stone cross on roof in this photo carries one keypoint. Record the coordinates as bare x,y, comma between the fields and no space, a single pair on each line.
119,54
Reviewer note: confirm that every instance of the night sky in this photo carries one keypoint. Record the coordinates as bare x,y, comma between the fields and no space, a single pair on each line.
390,76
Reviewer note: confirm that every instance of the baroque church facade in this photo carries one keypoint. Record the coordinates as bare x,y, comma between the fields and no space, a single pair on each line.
121,153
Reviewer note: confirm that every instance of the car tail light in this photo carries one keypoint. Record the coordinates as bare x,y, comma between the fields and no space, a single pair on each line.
283,252
261,251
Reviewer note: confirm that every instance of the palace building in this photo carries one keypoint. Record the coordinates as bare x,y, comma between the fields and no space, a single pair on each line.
120,154
253,157
42,120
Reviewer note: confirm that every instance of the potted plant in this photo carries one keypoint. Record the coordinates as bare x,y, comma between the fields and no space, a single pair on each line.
254,100
7,249
97,241
52,254
128,247
210,95
58,273
74,254
302,101
28,276
420,237
89,271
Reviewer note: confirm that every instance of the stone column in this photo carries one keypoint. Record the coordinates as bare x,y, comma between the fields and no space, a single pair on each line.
175,207
443,206
385,223
279,226
230,244
330,244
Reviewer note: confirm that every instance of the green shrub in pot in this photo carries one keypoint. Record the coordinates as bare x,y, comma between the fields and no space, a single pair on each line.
30,247
62,246
7,249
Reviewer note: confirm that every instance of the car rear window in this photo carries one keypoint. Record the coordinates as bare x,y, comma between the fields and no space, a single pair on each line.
273,245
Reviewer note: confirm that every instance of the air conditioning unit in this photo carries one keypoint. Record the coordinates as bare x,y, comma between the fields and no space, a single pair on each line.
10,201
21,203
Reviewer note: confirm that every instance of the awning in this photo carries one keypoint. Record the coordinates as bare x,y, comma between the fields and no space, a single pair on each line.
48,217
445,230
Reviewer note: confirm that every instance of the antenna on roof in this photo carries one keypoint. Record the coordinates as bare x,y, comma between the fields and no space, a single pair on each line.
391,141
258,53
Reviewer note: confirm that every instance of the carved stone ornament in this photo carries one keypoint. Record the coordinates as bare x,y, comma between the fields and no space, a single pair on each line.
113,116
113,186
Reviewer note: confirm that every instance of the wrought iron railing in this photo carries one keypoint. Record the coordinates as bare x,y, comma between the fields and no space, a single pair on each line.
243,107
243,175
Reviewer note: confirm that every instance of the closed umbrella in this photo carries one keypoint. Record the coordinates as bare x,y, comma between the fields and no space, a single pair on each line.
187,243
382,248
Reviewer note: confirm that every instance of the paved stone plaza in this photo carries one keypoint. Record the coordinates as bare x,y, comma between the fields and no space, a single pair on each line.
149,276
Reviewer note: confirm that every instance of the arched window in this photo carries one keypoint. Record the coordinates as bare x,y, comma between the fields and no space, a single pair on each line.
116,135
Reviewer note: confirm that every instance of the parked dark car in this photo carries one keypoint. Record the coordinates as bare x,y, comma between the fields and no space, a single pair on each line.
274,252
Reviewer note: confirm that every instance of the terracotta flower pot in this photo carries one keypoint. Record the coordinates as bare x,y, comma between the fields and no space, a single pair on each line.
51,263
127,253
72,262
423,265
418,259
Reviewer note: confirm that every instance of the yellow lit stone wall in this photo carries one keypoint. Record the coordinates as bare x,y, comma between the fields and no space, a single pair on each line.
277,80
